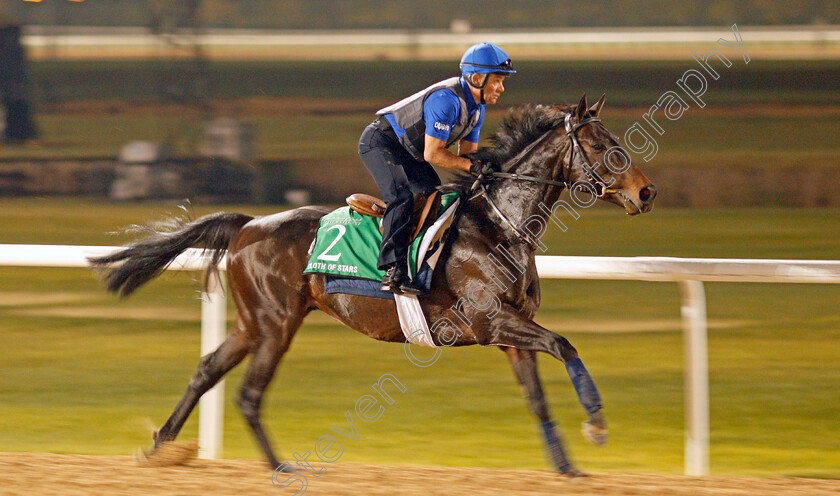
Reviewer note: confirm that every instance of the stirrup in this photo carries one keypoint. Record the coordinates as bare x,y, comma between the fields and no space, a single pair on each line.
408,287
391,283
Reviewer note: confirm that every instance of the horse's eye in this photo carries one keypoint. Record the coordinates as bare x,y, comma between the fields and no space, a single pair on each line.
598,147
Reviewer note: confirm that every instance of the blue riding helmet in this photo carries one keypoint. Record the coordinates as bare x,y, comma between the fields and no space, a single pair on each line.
485,58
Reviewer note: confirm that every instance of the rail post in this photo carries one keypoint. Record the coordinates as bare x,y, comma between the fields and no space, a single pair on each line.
211,406
693,311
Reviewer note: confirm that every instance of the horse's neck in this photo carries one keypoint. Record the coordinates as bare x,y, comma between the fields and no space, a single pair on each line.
525,201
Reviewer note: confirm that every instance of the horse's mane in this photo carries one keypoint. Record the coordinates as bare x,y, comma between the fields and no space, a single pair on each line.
521,126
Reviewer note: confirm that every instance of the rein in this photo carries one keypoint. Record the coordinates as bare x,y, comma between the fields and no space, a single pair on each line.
481,180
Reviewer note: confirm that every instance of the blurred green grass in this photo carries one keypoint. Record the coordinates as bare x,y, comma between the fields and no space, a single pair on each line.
706,140
636,82
780,116
80,371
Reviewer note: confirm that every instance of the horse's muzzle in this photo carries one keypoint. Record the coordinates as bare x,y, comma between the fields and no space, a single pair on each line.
636,202
646,196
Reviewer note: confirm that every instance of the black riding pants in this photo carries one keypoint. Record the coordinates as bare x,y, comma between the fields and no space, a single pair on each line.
399,177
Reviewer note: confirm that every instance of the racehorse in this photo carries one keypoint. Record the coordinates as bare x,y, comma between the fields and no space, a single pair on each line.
540,151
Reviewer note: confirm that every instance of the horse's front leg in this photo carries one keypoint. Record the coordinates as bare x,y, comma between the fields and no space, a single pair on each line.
524,365
512,330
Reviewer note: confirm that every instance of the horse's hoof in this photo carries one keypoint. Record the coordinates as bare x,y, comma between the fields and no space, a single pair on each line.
573,473
167,454
286,468
283,473
141,458
595,429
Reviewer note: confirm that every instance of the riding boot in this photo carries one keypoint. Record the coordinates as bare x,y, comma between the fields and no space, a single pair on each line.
396,281
394,275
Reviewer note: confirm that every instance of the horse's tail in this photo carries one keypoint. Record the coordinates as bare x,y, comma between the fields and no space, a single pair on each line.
138,263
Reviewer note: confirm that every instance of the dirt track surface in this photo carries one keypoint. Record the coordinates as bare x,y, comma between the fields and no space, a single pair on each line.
48,474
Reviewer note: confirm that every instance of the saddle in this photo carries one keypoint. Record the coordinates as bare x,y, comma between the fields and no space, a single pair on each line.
426,209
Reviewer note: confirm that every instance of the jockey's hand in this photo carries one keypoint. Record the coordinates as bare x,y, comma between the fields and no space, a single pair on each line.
480,166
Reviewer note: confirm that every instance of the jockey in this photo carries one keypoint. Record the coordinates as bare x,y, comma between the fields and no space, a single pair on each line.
410,136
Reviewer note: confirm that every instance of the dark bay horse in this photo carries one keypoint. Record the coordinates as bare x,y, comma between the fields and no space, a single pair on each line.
485,289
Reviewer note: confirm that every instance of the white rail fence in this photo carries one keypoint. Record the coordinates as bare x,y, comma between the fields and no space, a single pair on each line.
689,273
43,36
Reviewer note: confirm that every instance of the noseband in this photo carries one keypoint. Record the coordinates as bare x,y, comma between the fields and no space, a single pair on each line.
564,182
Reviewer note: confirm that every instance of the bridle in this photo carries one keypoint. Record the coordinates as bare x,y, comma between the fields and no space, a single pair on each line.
587,168
601,188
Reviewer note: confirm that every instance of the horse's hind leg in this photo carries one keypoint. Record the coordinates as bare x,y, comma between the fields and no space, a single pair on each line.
524,365
210,370
263,366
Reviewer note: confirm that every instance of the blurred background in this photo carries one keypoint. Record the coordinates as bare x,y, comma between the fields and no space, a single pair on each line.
115,111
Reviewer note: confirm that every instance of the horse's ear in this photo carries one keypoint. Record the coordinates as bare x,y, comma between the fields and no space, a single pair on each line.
596,109
580,111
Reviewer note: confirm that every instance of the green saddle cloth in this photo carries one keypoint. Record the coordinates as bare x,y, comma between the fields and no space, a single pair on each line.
347,244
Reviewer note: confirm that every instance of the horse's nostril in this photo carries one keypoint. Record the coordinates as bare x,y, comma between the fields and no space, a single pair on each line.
647,193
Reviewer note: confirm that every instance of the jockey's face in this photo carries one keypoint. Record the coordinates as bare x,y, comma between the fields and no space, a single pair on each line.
494,88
